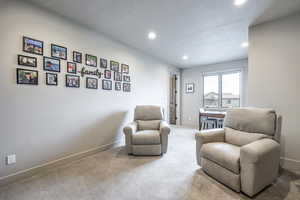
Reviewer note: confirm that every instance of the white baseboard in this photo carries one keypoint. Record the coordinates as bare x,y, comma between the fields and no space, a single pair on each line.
290,164
50,165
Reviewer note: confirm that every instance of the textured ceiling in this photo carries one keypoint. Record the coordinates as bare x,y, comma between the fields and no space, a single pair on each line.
208,31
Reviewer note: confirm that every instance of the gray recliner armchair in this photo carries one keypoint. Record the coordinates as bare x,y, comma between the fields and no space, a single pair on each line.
245,154
148,134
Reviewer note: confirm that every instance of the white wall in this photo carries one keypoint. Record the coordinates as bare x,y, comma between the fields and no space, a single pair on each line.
43,123
192,102
274,69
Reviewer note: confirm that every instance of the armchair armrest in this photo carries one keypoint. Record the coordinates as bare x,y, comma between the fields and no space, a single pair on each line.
212,135
207,136
130,128
259,150
164,128
128,131
259,165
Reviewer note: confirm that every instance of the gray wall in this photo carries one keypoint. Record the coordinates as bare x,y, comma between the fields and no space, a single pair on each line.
274,68
191,102
43,123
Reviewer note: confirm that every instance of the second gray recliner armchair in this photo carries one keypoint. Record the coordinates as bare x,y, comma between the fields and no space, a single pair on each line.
148,134
245,154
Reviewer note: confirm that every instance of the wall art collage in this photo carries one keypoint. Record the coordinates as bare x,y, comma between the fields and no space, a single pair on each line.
90,69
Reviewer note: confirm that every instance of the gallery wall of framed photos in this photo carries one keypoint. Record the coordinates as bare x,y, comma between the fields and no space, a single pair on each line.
72,64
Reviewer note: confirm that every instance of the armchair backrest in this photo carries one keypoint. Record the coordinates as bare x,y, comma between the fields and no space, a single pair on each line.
148,112
255,123
252,120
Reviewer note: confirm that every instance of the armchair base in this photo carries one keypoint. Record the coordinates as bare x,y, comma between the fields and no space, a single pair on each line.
221,174
147,150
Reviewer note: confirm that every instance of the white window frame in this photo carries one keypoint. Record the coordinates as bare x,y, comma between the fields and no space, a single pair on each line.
220,74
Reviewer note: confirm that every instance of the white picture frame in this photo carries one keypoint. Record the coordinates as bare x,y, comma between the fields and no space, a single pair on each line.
189,88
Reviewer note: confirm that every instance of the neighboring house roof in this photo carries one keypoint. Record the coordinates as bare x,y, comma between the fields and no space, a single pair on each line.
213,96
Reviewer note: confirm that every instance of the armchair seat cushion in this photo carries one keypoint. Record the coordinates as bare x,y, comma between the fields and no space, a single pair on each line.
223,154
146,137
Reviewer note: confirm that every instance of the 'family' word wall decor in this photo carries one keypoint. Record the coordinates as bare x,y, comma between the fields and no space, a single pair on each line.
59,62
85,71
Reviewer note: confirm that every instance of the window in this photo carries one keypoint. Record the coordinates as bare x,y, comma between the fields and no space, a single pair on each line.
211,91
222,90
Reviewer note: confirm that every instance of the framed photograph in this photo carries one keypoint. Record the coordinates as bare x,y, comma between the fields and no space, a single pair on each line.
118,86
90,60
118,76
77,57
72,81
27,61
114,66
58,52
107,74
33,46
71,67
126,78
125,69
189,88
25,76
51,79
126,87
106,84
51,64
103,63
91,83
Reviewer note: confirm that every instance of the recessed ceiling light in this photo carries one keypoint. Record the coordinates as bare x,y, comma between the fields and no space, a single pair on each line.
239,2
185,57
151,35
245,44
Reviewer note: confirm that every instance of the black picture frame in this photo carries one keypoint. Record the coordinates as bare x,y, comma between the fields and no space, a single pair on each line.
72,84
107,74
25,77
106,84
91,86
103,63
118,86
47,64
189,88
54,81
53,52
36,46
77,57
25,61
126,78
71,70
88,61
125,68
126,87
114,66
117,76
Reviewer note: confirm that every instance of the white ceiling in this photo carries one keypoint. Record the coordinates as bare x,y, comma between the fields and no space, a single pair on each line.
208,31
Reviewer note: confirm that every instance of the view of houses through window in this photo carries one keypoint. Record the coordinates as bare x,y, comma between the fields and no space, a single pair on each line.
222,90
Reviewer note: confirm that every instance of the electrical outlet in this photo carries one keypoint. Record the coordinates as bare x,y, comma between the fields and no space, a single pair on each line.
190,118
11,159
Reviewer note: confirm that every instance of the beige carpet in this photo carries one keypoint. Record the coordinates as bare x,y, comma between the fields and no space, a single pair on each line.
113,175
